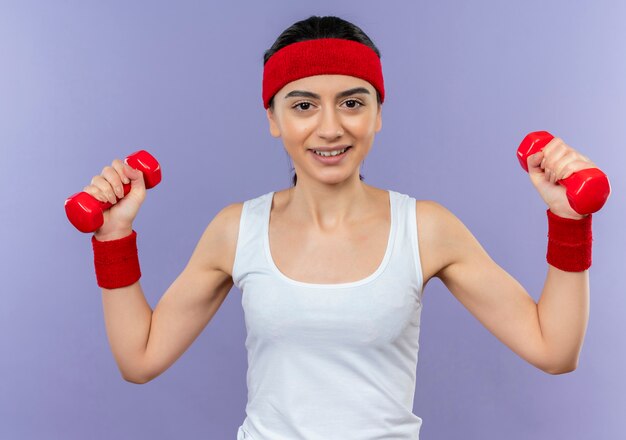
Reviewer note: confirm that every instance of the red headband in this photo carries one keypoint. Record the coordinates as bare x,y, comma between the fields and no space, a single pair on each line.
322,56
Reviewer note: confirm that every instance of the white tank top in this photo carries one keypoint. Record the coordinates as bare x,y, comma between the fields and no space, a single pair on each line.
330,361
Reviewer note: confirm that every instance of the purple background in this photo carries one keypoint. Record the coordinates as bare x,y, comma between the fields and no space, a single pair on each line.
82,83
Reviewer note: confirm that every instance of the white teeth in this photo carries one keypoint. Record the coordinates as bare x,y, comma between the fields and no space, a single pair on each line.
329,153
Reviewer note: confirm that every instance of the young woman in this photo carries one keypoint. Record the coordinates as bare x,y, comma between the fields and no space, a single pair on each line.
332,269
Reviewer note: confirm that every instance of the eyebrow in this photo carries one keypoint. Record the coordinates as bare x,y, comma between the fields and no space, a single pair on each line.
305,94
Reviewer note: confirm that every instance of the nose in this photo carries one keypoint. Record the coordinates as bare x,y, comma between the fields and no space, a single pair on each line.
330,126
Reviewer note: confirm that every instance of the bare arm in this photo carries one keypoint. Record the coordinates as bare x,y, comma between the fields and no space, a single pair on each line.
127,318
549,335
144,342
563,311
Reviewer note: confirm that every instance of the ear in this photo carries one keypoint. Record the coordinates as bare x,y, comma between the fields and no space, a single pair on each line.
379,118
274,129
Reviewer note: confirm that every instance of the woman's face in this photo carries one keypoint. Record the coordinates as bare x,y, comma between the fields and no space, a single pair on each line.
318,111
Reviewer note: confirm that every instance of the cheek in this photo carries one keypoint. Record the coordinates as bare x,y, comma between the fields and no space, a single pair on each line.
297,129
360,127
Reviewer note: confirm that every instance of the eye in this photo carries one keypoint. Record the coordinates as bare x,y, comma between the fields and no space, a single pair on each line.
301,106
353,103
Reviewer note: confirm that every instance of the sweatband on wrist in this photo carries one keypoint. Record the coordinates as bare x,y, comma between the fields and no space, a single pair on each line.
322,56
116,261
569,243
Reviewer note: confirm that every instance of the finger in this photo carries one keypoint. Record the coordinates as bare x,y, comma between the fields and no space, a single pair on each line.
111,175
118,165
553,163
575,166
568,170
137,180
105,187
553,176
589,161
533,162
96,193
130,172
559,168
552,157
550,146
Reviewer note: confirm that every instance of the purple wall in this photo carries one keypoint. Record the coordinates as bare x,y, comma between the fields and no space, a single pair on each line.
82,83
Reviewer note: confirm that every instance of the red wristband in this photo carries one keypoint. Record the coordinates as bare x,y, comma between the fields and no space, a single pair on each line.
569,243
116,261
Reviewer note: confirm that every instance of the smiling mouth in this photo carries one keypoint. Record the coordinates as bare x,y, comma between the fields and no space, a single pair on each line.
330,153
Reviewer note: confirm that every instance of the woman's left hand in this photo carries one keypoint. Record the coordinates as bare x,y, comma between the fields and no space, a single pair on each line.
555,162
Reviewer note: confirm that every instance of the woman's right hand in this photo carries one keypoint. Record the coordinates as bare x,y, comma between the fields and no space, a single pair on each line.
107,187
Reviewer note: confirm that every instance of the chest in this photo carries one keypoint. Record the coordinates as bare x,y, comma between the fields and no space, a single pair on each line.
342,256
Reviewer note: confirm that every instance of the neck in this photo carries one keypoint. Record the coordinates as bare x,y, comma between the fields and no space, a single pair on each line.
329,207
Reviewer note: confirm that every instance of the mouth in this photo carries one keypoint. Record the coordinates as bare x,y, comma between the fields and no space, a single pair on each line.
330,152
332,157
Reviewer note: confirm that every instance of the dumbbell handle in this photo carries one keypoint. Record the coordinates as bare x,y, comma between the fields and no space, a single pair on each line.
587,190
86,213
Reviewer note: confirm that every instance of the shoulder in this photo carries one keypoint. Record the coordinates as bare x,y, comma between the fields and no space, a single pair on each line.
220,237
433,215
443,238
432,218
230,213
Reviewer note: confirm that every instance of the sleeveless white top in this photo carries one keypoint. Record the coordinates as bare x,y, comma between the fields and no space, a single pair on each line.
330,361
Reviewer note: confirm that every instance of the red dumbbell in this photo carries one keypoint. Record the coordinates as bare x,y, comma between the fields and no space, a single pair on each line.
86,212
587,190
